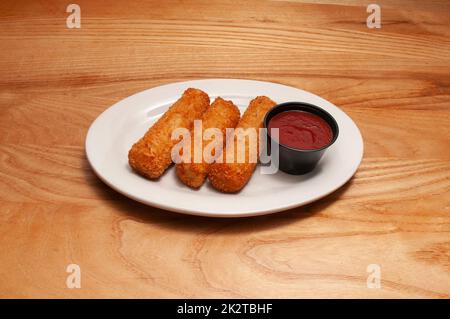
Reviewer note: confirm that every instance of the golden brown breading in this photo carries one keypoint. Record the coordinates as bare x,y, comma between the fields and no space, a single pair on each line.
232,177
221,115
151,155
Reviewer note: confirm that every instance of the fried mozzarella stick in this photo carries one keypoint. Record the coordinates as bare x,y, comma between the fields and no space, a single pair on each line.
151,155
232,177
221,114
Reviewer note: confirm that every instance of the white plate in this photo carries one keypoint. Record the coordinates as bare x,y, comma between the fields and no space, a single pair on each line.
112,134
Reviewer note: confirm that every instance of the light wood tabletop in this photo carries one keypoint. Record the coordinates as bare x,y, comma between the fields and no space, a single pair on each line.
391,219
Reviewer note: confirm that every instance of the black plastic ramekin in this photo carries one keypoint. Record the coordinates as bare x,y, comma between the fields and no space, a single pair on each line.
299,161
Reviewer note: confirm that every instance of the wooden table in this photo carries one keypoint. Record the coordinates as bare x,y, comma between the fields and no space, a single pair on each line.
395,213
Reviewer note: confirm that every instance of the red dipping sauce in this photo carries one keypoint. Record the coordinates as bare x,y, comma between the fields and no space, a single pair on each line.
301,130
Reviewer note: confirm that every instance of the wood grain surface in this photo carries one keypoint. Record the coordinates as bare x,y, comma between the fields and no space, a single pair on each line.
394,82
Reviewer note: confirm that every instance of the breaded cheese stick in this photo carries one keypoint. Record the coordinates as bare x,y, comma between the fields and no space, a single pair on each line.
221,114
231,177
151,155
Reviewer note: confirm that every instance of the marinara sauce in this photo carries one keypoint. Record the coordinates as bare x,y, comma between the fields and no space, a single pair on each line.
301,130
